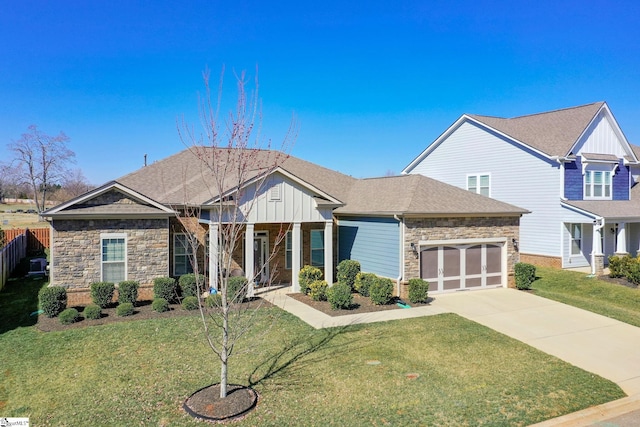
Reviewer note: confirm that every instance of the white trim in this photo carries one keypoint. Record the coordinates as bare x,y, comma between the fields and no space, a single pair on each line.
105,236
462,241
296,259
478,177
311,249
328,252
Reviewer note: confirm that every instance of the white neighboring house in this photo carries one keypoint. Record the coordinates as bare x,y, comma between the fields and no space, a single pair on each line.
572,168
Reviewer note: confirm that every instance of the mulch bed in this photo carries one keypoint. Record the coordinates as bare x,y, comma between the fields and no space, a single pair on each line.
207,404
618,281
360,305
142,311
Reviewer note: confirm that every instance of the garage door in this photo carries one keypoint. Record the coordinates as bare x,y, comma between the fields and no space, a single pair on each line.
455,267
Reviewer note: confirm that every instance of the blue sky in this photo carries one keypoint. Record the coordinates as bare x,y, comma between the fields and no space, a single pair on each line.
371,83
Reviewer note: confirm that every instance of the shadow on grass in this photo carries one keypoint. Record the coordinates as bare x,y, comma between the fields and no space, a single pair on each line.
296,351
19,299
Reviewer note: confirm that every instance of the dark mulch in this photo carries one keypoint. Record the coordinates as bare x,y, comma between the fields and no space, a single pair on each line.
360,305
142,311
207,404
618,281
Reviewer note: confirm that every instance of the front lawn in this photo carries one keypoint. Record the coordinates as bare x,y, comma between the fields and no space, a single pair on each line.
437,370
577,289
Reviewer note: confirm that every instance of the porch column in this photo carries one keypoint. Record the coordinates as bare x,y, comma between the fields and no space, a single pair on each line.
621,247
328,252
597,259
248,258
214,260
295,257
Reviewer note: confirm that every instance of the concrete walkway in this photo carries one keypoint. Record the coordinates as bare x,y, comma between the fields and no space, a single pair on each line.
595,343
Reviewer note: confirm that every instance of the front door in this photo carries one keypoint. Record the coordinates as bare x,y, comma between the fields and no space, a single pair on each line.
261,256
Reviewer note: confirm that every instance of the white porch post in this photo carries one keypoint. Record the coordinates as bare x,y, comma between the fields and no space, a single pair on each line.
597,240
597,259
328,252
214,256
621,247
248,258
295,257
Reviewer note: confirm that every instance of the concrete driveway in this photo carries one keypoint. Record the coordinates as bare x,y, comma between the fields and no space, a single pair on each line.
590,341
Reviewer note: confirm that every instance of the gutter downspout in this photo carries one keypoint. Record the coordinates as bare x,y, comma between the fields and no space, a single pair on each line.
401,269
597,226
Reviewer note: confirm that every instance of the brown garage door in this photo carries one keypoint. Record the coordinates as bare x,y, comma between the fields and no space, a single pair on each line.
456,267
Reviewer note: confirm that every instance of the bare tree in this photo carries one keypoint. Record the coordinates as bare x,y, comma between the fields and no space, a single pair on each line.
73,185
43,160
236,163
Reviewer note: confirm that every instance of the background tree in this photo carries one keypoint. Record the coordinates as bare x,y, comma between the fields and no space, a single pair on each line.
230,153
43,161
73,185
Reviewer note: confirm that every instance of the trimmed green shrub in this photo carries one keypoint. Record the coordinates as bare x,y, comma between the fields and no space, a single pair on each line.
165,287
124,309
318,290
68,316
308,274
53,299
363,283
213,301
160,305
236,289
92,311
189,285
418,290
348,269
632,270
102,293
128,291
339,296
620,266
525,274
381,291
190,303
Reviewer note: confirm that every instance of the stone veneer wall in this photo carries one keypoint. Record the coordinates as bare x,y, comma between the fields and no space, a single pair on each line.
76,250
418,229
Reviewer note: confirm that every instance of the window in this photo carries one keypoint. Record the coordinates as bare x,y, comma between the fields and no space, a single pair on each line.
288,250
317,248
597,184
114,256
182,255
479,184
576,239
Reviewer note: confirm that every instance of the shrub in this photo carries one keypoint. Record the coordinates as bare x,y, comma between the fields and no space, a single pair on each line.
339,296
381,291
525,274
308,274
189,285
318,290
124,309
68,316
190,303
236,288
92,311
53,299
164,287
620,266
348,269
213,301
363,283
418,290
160,305
102,293
128,291
632,270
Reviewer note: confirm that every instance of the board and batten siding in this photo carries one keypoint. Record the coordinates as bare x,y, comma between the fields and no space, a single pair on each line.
601,138
517,176
374,242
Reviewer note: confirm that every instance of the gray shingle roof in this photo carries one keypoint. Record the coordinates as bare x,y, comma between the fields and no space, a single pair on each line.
611,209
552,132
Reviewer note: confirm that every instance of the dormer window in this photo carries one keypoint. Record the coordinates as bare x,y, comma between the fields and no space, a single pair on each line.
597,184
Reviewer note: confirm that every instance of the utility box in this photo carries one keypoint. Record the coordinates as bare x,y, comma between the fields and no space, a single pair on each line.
37,266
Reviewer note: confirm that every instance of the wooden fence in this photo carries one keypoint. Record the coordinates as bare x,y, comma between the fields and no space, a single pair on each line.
10,256
38,239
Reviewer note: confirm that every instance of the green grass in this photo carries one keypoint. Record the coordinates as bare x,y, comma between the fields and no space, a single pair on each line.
139,373
576,289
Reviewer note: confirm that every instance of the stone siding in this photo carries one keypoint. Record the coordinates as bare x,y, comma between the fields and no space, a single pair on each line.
421,229
76,250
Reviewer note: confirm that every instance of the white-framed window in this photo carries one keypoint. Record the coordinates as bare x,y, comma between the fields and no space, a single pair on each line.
479,183
597,184
576,239
182,254
317,248
288,250
113,257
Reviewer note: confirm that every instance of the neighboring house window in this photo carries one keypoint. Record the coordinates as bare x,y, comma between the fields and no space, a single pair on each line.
182,255
479,184
576,239
288,250
597,184
317,248
114,257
